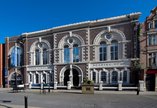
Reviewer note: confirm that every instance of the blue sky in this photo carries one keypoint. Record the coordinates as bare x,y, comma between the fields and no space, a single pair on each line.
20,16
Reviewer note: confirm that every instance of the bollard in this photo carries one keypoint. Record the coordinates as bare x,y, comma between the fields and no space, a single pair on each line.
26,102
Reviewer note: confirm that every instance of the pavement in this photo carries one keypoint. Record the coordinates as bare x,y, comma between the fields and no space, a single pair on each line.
5,104
79,91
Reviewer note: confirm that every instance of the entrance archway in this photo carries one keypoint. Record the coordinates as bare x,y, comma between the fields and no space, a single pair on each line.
75,77
15,78
66,76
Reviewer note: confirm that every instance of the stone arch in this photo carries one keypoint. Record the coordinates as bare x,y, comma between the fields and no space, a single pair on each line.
117,35
19,78
41,41
63,70
98,38
36,45
62,41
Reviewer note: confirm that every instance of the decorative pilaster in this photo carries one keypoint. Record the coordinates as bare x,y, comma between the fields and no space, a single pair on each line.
55,73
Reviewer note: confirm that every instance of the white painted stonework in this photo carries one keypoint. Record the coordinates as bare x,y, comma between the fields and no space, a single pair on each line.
111,64
39,68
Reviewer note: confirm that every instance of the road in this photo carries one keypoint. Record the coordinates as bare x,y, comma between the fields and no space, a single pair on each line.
78,100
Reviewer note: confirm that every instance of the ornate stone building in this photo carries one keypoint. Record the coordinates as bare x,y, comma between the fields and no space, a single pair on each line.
101,50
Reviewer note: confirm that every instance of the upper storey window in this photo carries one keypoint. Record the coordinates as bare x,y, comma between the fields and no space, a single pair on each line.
150,25
66,54
75,53
114,50
103,51
155,23
37,57
152,40
70,49
16,56
40,53
45,56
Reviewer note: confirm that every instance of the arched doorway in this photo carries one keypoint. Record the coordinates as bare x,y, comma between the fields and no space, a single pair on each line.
15,78
75,77
66,76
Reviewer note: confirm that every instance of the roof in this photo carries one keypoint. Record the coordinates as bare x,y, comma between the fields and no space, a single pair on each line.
88,23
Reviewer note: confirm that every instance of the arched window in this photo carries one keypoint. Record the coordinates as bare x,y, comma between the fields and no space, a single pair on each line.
45,56
75,53
37,56
16,57
66,54
40,53
104,77
114,77
114,50
16,77
125,77
102,51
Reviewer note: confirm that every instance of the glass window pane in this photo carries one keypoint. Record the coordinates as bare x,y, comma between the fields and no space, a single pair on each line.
37,54
94,77
66,54
45,56
124,76
114,77
155,23
103,77
75,53
102,51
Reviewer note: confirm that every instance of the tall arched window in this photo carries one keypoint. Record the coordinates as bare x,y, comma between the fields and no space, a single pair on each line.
16,57
66,54
37,56
114,50
104,77
102,51
114,77
40,53
75,53
45,56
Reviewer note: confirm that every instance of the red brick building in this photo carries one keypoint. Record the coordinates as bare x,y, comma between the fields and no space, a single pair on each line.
2,65
101,50
148,49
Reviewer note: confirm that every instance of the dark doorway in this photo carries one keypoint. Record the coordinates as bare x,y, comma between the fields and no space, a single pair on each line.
150,82
75,77
66,76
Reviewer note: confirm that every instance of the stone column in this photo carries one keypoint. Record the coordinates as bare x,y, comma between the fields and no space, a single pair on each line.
55,85
119,85
100,85
71,75
80,80
141,85
41,80
108,52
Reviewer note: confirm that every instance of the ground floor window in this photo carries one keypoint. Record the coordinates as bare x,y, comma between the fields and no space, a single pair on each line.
114,77
40,77
104,77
